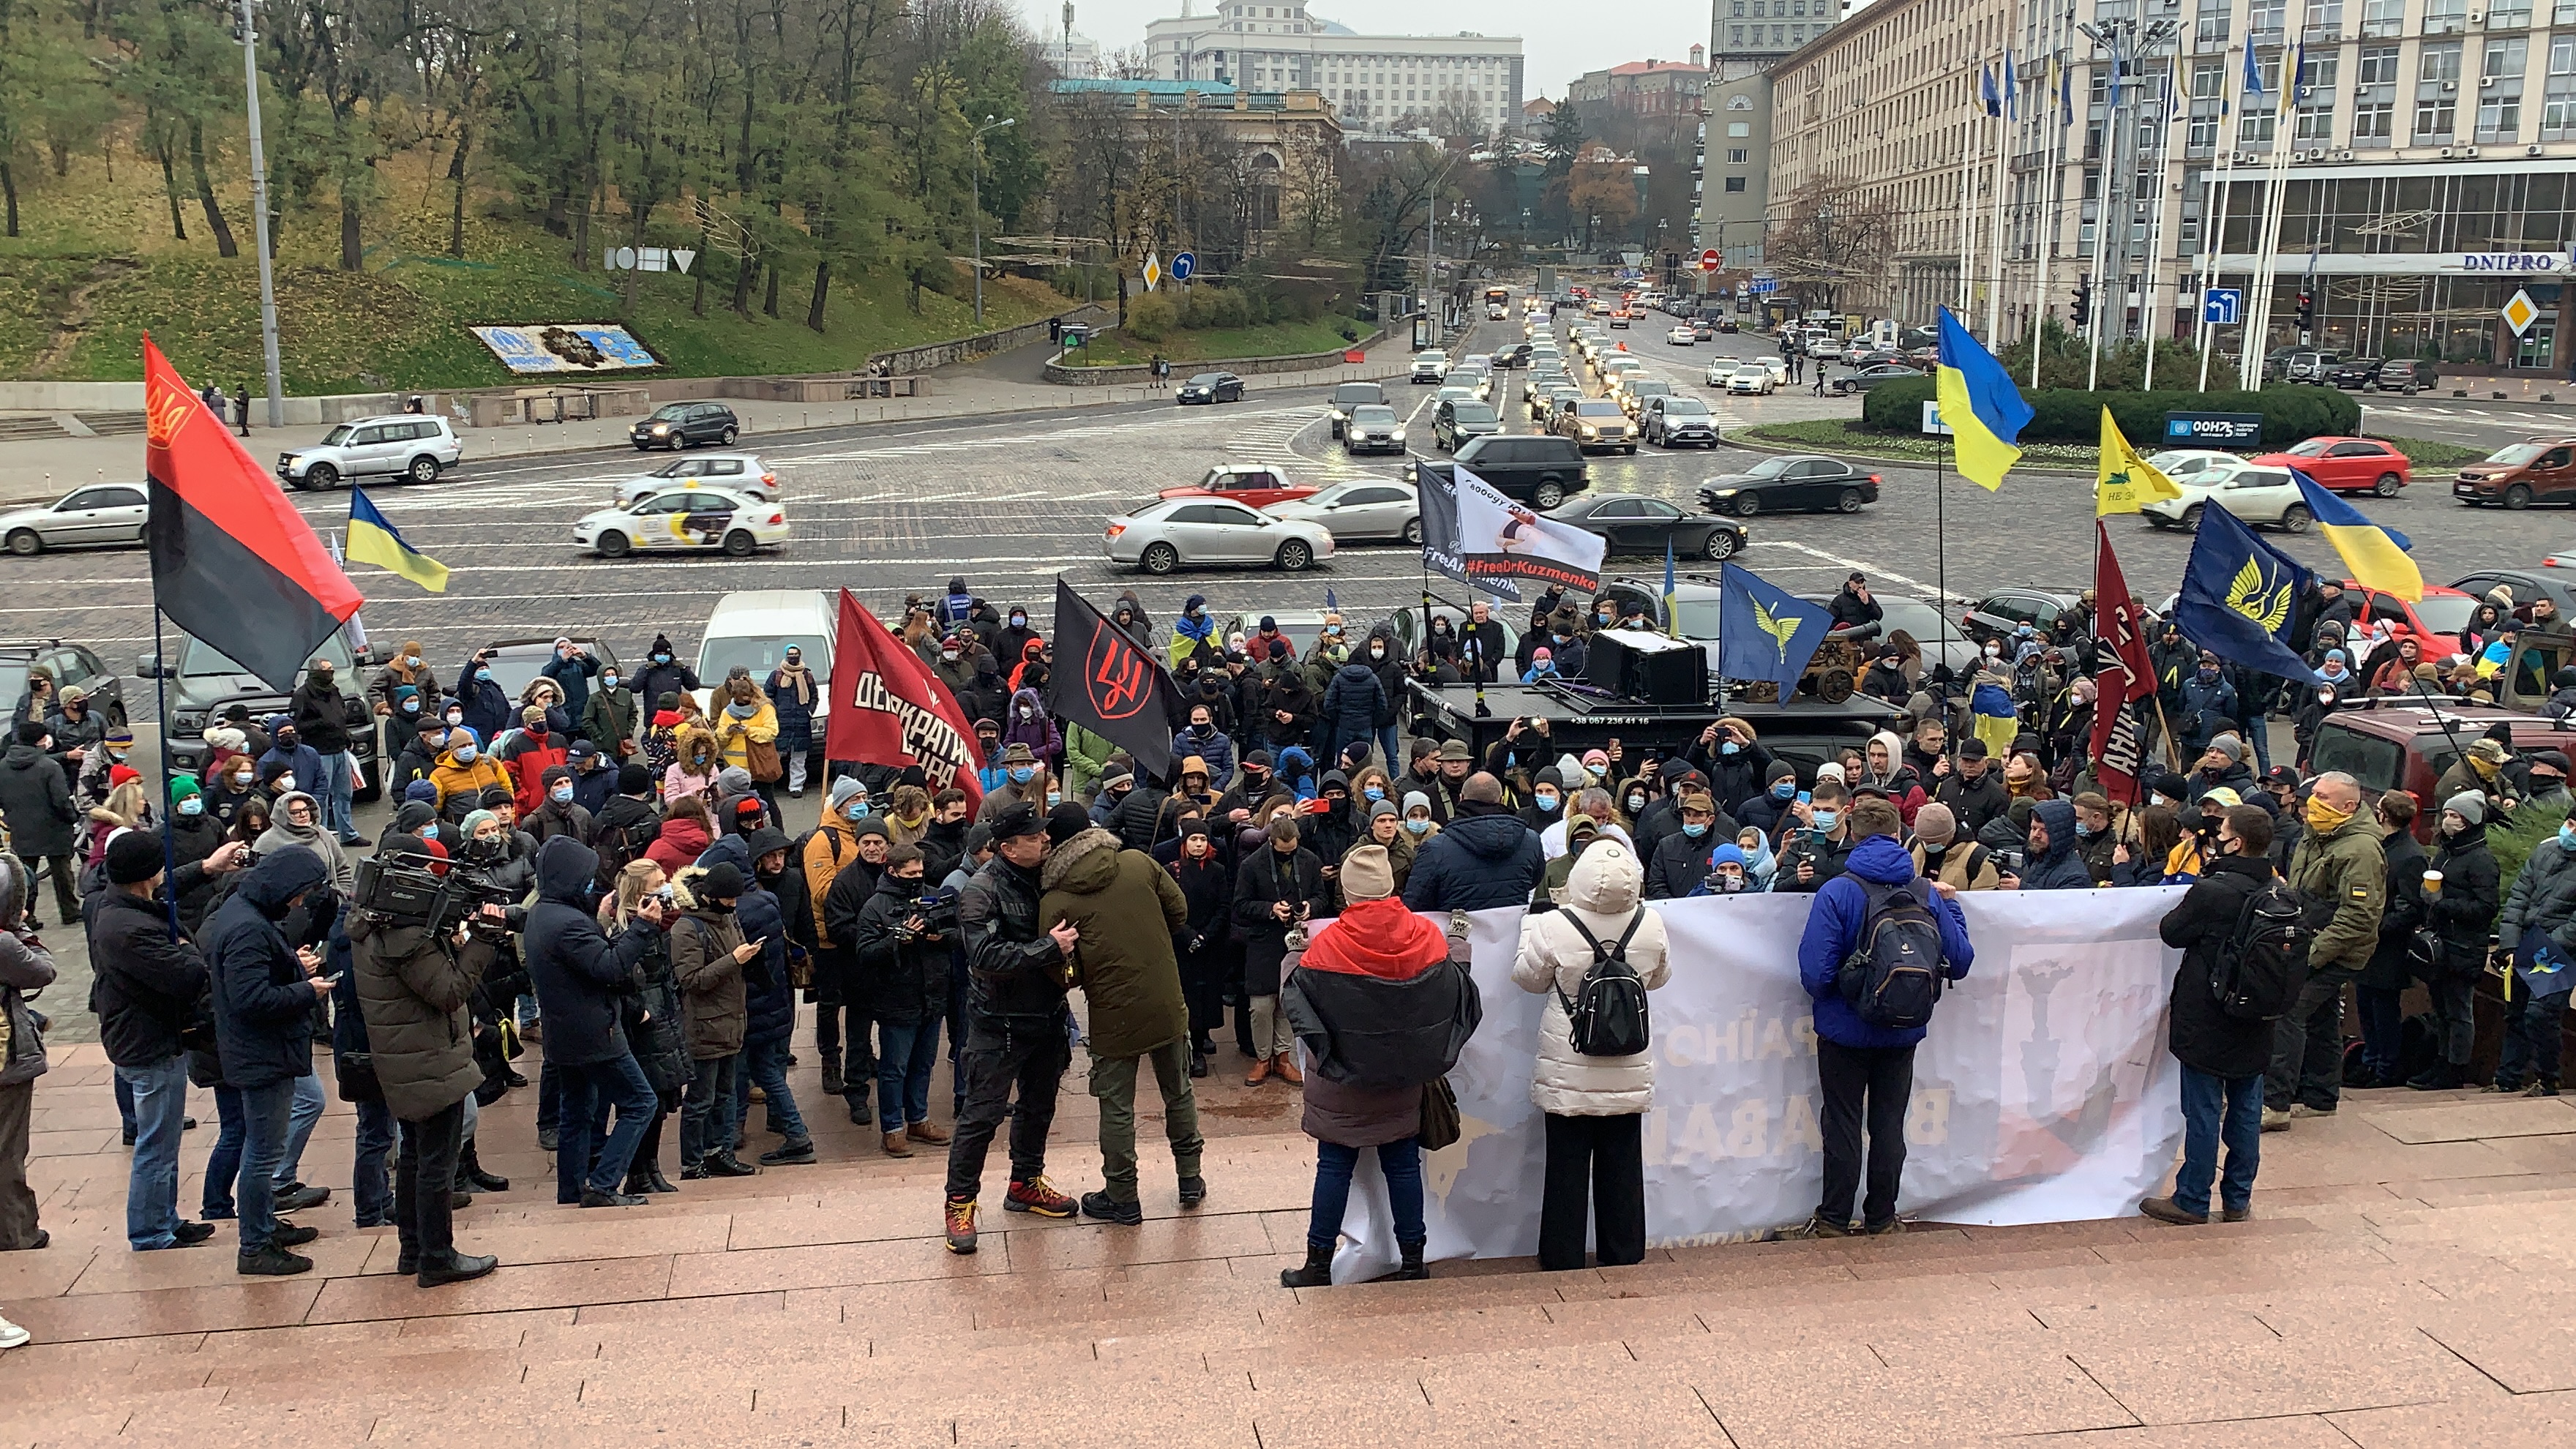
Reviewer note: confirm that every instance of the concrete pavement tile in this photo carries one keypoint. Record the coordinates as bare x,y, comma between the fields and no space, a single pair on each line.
51,1271
2179,1379
1848,1394
511,1324
239,1304
2519,1422
723,1306
2387,1161
536,1285
1330,1413
336,1254
1158,1240
829,1265
2540,1154
2527,1352
2473,1121
2296,1431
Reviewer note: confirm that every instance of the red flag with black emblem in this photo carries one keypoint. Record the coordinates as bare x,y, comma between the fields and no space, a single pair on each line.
232,561
2125,676
1105,682
889,709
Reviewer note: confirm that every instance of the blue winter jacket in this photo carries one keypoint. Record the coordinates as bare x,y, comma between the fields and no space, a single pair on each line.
263,1006
572,678
488,709
1833,929
1477,862
1217,749
2059,868
769,1003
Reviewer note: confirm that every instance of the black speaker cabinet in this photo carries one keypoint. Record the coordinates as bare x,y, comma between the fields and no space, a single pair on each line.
1647,667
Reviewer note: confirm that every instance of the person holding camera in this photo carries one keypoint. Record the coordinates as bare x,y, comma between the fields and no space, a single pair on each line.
581,977
414,981
899,977
1275,891
265,988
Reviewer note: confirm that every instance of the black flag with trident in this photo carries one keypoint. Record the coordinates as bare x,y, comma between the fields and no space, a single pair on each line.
1107,683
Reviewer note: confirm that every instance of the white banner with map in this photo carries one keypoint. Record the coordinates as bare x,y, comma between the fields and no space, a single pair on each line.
566,347
2043,1094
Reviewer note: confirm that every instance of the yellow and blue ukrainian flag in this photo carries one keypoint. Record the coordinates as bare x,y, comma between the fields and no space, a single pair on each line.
1979,404
2375,554
373,539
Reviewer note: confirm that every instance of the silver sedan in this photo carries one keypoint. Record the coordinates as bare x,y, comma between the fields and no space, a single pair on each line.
100,513
1171,532
1364,508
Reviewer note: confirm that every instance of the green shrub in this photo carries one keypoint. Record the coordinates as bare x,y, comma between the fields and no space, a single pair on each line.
1151,317
2290,411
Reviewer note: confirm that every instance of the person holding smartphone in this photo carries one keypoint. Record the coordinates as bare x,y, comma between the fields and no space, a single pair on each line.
264,992
708,955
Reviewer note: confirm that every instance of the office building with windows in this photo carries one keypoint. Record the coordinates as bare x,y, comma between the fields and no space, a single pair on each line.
1376,82
1731,188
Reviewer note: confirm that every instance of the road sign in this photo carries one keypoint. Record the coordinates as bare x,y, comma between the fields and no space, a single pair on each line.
2219,306
1708,260
1763,286
1184,265
2520,313
1153,272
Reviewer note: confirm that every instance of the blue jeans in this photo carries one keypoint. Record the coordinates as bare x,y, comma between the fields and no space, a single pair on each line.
905,1056
125,1104
334,789
310,1099
1402,1164
1386,747
765,1067
619,1083
2219,1110
707,1122
370,1186
160,1097
223,1163
265,1113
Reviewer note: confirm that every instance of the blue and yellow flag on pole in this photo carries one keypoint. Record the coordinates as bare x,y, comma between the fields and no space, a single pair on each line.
2240,596
2375,554
373,539
1766,632
1983,410
1672,626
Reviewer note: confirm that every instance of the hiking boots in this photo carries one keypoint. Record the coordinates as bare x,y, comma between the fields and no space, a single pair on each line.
831,1078
961,1225
897,1145
1037,1195
1193,1191
1108,1209
924,1132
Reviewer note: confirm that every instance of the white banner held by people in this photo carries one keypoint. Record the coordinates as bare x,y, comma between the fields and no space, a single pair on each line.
2044,1092
1503,544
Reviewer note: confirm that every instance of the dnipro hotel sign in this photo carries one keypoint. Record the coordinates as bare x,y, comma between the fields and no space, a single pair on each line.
2517,263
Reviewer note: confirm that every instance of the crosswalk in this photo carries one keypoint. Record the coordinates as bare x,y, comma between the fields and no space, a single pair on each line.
2529,420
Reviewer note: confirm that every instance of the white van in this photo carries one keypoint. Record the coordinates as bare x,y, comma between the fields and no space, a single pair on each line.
753,627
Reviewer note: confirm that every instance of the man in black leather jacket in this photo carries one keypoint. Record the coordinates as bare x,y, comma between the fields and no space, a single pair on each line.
1016,1025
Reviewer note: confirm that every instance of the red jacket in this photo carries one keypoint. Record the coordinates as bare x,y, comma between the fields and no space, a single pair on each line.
679,845
529,756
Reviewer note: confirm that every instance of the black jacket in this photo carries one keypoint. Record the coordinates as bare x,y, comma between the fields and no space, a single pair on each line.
580,974
1015,973
146,986
1974,805
2390,965
321,716
897,977
263,1004
1681,863
1263,880
2202,1036
2464,913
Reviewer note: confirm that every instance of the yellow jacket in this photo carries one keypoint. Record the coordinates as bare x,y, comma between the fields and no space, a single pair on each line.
832,845
450,778
736,735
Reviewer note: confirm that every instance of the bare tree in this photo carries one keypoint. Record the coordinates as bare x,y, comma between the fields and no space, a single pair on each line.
1835,242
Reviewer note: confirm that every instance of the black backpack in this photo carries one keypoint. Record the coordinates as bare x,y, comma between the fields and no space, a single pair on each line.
2264,961
1894,975
1607,1017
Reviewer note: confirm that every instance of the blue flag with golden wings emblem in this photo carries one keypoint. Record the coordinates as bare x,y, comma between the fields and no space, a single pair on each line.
1766,632
2240,596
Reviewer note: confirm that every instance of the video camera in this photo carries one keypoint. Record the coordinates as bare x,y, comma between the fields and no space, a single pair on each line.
937,909
414,896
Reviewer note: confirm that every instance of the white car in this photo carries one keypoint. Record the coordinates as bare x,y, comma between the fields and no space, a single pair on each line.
1680,337
99,513
1751,379
689,520
1171,532
1430,366
1779,367
742,473
755,627
1719,370
2180,463
1615,364
2255,495
417,446
1363,508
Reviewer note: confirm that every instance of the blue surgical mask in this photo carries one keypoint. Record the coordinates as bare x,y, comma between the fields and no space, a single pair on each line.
465,754
1730,748
411,661
1054,798
1823,819
1784,790
857,809
482,675
608,681
2567,837
411,706
1373,793
661,658
192,806
562,793
1546,800
1695,831
1022,774
1416,827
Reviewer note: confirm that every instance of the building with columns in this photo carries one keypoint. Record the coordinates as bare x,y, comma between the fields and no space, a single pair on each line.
1376,82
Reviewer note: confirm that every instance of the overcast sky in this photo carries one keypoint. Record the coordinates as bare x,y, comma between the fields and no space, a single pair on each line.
1556,45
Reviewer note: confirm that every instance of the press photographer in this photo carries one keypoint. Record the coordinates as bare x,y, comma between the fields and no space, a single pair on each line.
419,950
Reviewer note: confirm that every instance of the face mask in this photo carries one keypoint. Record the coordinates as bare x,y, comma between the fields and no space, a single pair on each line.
661,658
1334,629
1546,802
2567,837
1027,713
1252,779
483,676
1055,797
1994,652
1730,748
1203,730
115,754
1377,651
1416,827
241,781
1636,804
284,784
2084,831
608,681
561,793
2324,818
411,706
465,754
950,655
455,718
192,806
1596,771
1694,831
2325,696
1019,621
1021,774
483,847
2208,675
1784,790
1824,819
1373,793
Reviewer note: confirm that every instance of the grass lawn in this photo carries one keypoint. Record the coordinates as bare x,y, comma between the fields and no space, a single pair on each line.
1843,436
1271,339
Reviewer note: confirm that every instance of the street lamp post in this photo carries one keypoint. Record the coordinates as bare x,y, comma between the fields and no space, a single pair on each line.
989,125
259,223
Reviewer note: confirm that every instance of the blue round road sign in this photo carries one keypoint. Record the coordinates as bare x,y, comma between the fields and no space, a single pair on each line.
1183,264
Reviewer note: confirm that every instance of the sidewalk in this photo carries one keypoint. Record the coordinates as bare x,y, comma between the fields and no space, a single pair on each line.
39,470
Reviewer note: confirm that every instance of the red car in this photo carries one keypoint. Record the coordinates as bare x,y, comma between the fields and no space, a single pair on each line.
1254,485
2346,465
2438,620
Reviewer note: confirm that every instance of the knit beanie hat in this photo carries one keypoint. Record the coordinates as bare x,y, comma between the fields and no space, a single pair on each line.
2469,805
182,786
843,790
1367,874
133,856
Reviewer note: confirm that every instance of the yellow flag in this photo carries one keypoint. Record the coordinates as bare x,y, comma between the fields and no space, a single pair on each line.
2126,481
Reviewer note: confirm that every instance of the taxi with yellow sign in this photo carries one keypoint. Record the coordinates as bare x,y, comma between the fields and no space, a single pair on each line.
688,519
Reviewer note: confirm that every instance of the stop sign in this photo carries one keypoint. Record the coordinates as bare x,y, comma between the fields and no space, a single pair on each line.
1708,260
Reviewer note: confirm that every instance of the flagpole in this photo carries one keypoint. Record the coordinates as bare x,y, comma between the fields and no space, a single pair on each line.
1967,229
1995,226
161,713
2151,316
2044,235
2213,232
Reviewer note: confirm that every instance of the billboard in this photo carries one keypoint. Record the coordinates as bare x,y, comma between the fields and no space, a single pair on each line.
568,347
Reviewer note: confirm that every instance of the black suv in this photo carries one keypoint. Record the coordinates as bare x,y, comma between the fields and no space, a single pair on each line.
2357,373
1460,421
684,424
1535,469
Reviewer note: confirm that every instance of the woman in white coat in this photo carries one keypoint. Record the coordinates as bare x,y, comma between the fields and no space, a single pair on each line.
1595,1105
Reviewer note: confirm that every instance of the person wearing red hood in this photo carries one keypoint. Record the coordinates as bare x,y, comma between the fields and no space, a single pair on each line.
1382,1001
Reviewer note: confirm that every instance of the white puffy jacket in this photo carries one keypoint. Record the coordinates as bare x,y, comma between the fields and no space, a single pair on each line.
1603,892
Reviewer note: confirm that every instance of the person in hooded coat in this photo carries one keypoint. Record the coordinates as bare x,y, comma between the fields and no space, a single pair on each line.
298,821
488,710
2222,1056
2053,859
264,993
663,673
1029,725
1352,706
582,978
1595,1105
1208,954
769,993
1278,884
2462,916
709,959
1483,858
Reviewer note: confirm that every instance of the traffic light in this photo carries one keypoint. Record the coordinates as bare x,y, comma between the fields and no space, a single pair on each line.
2307,311
2081,314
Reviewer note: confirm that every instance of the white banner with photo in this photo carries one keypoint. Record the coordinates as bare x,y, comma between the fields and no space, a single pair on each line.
2043,1094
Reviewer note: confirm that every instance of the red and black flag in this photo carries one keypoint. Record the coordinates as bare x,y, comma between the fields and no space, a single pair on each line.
233,563
889,709
2126,675
1105,682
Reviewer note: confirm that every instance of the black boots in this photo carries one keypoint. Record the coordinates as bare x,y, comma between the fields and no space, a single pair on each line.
1318,1272
454,1267
471,1176
2439,1077
1411,1270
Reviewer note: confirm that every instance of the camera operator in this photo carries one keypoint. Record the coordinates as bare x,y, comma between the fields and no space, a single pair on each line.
413,982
